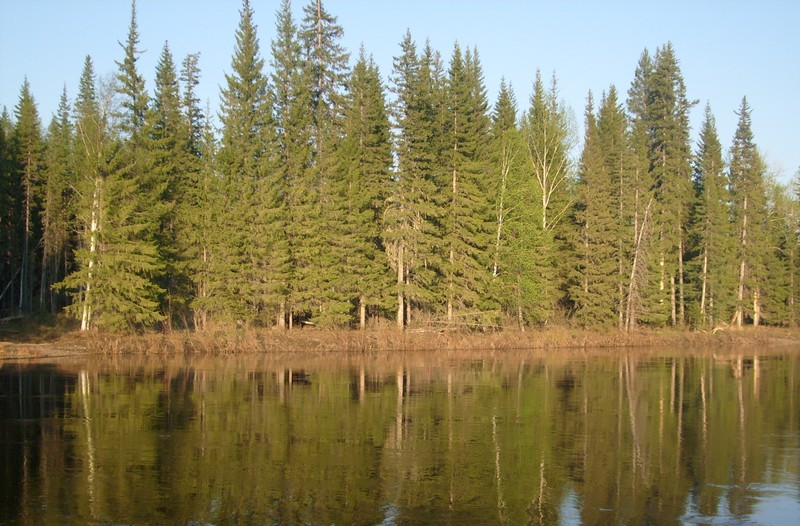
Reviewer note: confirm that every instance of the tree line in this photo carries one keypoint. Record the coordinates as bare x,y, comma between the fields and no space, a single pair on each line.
328,197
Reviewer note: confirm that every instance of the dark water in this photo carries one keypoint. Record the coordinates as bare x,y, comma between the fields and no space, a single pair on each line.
448,438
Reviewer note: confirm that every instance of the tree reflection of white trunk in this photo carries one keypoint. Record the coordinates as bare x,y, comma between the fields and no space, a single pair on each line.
85,394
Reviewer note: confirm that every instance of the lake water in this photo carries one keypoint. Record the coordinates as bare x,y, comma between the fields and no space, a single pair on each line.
626,437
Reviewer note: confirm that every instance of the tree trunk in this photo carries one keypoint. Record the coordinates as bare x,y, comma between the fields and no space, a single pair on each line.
400,279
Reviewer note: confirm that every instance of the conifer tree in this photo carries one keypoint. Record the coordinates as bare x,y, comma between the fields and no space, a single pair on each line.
56,208
244,159
366,160
711,237
749,213
596,291
164,161
511,250
638,193
291,103
113,285
30,163
670,168
466,226
134,101
324,284
412,217
546,131
9,188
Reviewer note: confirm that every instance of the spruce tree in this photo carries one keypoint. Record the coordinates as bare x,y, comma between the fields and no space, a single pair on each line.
56,208
29,154
711,237
466,224
670,168
134,101
113,284
412,218
163,156
546,131
638,192
750,215
596,291
514,226
244,159
291,108
9,188
366,160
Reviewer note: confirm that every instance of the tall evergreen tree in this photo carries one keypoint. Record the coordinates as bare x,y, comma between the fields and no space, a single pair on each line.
412,217
670,167
243,160
30,163
638,193
322,281
546,131
113,285
596,290
9,189
515,226
131,87
164,160
711,237
291,106
366,160
466,226
56,209
749,213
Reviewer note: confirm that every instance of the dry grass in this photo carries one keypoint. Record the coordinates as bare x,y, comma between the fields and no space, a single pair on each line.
315,341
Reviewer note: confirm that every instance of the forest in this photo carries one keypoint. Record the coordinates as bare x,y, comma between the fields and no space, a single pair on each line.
322,194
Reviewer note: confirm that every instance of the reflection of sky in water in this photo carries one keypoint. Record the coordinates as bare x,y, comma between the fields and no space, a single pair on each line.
773,505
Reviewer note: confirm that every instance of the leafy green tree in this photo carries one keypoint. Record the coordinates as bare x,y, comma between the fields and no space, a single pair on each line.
366,160
711,235
750,215
29,154
57,205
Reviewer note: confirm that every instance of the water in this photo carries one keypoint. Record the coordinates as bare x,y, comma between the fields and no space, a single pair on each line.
403,439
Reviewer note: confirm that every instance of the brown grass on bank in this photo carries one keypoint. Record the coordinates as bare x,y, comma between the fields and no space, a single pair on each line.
61,340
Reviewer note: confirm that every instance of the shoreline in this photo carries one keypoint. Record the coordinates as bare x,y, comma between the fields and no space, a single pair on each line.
57,343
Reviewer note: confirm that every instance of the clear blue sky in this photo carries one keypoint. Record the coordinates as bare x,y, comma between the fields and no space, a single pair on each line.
727,48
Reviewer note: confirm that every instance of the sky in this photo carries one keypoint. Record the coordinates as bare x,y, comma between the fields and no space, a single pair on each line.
727,49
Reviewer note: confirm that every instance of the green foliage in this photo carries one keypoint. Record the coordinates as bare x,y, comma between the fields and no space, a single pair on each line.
712,268
56,213
113,285
29,156
750,219
321,199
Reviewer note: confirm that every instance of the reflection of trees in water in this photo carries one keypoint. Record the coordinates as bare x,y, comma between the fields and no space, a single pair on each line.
484,439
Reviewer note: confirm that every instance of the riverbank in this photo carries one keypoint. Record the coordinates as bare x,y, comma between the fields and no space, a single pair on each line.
29,341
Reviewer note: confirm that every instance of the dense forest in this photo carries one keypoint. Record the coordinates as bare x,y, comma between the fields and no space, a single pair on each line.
322,194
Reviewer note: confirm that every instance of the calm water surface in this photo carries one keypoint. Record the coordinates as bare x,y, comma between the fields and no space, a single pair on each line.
447,438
